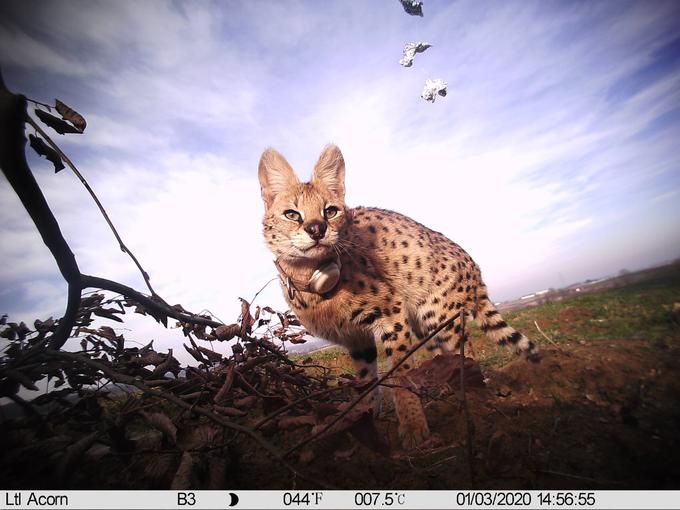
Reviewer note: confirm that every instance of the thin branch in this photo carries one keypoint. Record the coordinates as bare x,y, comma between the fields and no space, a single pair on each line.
150,303
374,384
577,477
49,107
544,335
66,160
285,408
463,398
263,287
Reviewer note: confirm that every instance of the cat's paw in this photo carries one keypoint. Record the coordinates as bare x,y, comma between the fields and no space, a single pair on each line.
413,433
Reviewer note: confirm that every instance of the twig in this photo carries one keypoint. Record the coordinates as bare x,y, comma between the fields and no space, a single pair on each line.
263,287
285,408
577,477
161,308
66,160
441,462
49,107
463,399
544,335
374,384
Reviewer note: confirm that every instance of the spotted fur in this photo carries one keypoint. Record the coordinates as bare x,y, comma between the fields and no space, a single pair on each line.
399,280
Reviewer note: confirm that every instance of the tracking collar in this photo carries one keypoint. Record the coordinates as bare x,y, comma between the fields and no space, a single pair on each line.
323,280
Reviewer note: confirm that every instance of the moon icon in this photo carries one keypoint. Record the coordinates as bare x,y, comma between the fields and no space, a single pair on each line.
234,499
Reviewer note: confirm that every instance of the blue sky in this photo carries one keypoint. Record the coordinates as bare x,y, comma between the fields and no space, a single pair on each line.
552,159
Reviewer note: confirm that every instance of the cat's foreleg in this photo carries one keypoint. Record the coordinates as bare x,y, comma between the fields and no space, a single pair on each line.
396,336
365,361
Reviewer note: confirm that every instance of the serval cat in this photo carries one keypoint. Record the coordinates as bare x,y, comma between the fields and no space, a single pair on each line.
364,276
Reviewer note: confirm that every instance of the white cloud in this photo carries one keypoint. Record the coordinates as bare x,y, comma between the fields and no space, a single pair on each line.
21,50
523,158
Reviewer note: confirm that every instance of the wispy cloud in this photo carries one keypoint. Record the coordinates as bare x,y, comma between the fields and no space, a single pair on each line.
558,134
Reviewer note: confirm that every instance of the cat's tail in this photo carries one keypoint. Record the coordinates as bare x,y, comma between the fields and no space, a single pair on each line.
495,328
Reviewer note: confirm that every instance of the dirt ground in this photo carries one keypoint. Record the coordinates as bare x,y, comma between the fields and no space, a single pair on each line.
602,415
601,410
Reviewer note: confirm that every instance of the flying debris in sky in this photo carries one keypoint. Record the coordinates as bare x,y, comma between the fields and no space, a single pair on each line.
412,7
410,50
432,88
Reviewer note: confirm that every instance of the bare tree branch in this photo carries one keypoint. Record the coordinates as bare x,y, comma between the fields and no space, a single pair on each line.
13,163
149,302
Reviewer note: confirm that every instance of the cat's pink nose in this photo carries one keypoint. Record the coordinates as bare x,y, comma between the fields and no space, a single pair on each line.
316,229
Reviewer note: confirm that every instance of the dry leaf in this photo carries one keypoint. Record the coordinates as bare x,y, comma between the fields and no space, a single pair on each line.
71,115
182,478
162,422
289,422
246,402
194,353
210,354
107,332
151,358
50,154
296,339
229,411
193,437
59,125
226,386
169,365
108,313
226,332
91,300
72,454
247,320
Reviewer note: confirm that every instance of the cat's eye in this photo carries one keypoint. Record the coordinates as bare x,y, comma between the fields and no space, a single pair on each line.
292,215
330,212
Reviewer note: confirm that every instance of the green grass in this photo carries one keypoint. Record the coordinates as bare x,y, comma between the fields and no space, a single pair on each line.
638,311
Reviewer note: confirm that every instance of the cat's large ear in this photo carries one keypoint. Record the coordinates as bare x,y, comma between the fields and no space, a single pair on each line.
275,175
329,171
